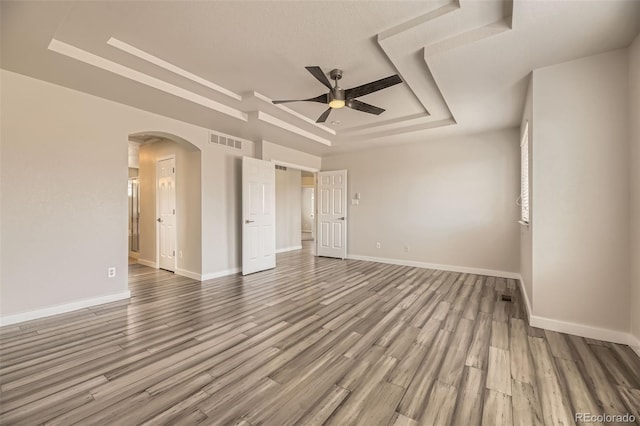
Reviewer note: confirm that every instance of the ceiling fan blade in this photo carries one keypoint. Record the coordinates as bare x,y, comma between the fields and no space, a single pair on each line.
374,86
323,99
361,106
324,116
319,75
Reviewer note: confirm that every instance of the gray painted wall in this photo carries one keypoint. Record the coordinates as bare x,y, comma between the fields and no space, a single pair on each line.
634,118
64,198
581,259
288,209
451,201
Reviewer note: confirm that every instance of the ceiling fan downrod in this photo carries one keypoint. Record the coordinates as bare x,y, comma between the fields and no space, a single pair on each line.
336,95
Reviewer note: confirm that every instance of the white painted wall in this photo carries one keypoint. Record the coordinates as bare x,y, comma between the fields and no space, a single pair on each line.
581,192
451,201
526,232
64,198
634,121
188,206
288,208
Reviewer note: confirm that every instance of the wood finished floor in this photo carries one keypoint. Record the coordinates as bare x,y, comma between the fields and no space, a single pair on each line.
315,341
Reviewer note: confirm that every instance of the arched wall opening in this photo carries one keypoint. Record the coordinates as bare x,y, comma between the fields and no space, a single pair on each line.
154,147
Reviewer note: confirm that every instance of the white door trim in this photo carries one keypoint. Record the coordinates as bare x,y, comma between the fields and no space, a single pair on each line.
175,195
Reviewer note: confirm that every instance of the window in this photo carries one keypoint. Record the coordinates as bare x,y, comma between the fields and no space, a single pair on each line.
524,175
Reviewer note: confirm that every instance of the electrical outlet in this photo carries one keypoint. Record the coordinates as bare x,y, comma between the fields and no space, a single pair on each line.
111,272
406,248
378,245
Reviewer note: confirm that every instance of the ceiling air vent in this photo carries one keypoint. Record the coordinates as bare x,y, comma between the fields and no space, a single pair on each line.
224,140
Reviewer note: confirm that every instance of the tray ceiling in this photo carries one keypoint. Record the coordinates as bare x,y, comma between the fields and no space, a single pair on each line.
217,64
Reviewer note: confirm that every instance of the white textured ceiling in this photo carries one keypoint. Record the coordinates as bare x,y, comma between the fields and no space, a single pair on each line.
464,64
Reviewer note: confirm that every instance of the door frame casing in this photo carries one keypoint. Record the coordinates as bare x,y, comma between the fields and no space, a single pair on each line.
175,198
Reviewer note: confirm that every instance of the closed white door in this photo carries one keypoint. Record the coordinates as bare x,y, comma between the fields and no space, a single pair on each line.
258,215
166,218
332,214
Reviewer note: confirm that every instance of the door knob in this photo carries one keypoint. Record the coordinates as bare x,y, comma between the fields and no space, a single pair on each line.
341,218
249,221
159,220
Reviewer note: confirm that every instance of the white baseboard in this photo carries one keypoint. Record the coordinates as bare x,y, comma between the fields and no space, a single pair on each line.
582,330
189,274
282,250
452,268
525,296
134,255
149,263
61,309
219,274
576,329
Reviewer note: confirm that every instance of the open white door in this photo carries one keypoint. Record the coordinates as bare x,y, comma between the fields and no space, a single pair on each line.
332,214
258,215
166,199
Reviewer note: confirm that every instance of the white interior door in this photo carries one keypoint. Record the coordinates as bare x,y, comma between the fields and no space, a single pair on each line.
332,214
166,218
258,215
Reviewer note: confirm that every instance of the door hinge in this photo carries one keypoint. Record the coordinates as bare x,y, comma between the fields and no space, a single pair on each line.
173,170
174,253
174,211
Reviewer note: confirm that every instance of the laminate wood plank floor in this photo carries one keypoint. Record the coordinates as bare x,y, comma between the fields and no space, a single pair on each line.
314,341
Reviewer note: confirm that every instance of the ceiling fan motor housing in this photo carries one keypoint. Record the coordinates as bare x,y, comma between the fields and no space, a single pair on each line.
336,94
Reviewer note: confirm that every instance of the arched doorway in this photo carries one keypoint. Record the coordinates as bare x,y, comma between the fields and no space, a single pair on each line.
165,213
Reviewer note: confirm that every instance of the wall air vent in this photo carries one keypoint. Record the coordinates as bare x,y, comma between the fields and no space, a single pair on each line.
283,168
224,140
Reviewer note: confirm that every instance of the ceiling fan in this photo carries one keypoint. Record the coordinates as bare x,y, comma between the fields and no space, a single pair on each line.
338,97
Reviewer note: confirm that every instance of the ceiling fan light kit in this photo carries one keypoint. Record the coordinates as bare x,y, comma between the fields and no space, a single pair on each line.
339,98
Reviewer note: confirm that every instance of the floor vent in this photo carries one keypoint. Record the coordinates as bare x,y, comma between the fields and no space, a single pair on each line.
224,140
506,298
